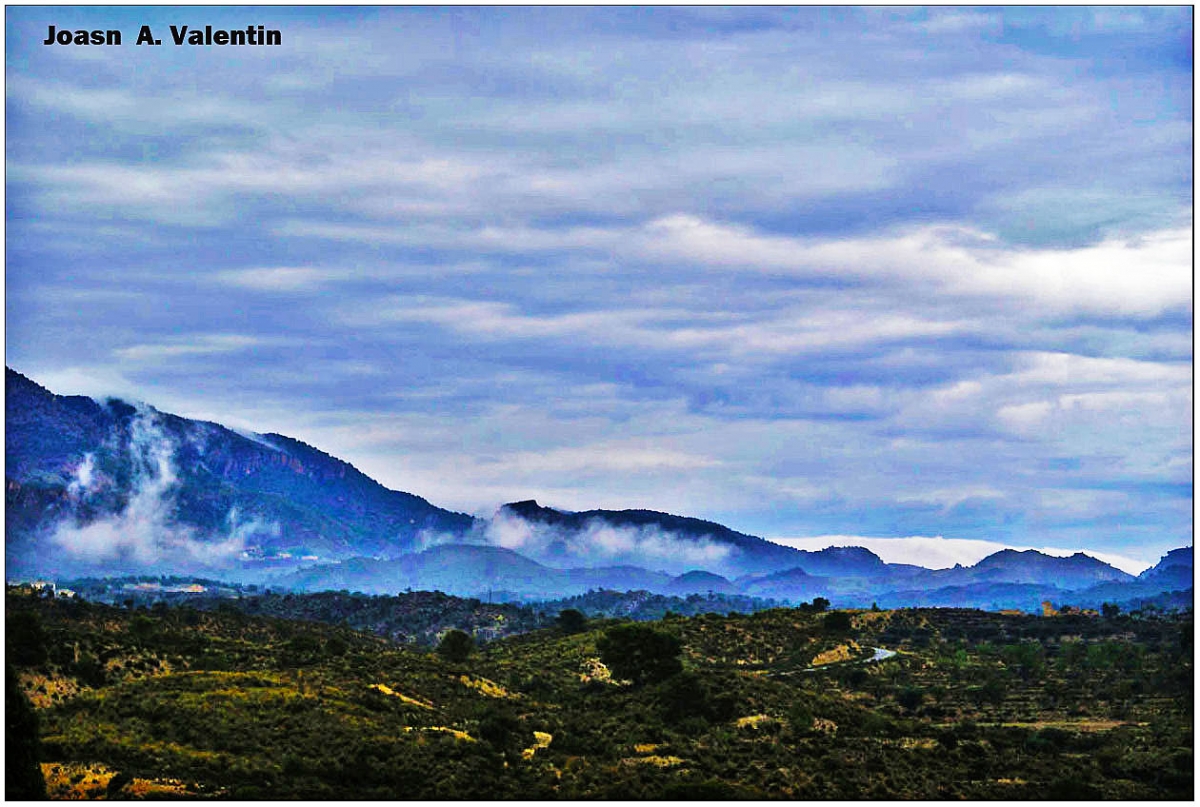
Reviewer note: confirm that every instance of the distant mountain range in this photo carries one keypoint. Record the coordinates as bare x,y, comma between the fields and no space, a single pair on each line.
113,487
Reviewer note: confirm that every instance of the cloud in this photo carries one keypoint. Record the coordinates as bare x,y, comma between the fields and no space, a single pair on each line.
601,544
144,532
199,344
84,477
277,278
790,270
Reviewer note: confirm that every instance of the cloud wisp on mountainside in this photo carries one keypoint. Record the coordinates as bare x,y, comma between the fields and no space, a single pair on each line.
145,532
602,544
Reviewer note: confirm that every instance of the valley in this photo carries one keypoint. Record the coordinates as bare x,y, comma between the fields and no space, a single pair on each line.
970,705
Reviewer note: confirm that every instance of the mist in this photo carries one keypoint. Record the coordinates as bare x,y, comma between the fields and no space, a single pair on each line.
144,532
602,544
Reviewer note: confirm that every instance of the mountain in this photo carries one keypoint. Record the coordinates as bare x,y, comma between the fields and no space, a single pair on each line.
988,596
125,486
469,570
842,561
699,582
459,569
646,537
112,487
1174,570
1030,566
796,585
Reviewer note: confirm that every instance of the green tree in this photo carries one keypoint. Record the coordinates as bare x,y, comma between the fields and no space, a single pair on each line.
640,653
456,646
571,620
22,773
25,639
836,622
818,605
142,627
910,698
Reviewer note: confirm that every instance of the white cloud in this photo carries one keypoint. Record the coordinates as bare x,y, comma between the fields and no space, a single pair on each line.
599,544
196,345
1027,417
144,531
277,278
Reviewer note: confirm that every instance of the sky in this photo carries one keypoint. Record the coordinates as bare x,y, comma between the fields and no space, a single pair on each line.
863,273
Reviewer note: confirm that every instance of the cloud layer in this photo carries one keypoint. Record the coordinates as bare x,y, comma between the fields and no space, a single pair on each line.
800,271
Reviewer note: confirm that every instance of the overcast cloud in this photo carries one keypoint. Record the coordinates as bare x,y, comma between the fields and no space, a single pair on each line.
805,272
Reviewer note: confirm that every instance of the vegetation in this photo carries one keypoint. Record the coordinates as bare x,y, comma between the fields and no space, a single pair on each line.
974,705
640,654
456,646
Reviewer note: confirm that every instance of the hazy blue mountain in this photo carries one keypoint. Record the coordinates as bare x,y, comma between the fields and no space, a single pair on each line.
1173,571
465,570
700,582
570,537
115,487
1028,566
618,578
125,486
988,596
795,585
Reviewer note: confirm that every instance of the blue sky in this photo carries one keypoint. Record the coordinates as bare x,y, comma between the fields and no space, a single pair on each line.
806,272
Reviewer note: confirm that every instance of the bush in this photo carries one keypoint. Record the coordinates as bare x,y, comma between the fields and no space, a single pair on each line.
456,646
688,695
22,773
571,620
640,654
25,639
836,622
910,698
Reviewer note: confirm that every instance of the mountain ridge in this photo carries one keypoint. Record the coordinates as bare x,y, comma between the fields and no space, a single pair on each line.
286,511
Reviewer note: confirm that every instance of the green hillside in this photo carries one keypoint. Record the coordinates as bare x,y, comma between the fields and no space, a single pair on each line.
778,704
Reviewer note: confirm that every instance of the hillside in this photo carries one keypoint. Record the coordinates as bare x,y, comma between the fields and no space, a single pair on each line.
129,488
779,704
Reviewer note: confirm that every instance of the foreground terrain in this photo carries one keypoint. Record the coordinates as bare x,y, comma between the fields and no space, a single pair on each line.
784,703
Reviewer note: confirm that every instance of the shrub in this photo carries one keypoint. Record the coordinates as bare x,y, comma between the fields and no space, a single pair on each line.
836,622
456,646
640,654
25,639
571,620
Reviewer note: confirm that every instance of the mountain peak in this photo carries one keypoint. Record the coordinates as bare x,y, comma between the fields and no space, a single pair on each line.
1030,565
529,509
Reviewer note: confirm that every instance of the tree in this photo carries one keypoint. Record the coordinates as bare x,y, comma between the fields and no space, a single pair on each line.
817,606
691,695
456,646
1110,610
22,773
836,622
25,639
640,654
571,621
142,628
910,698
